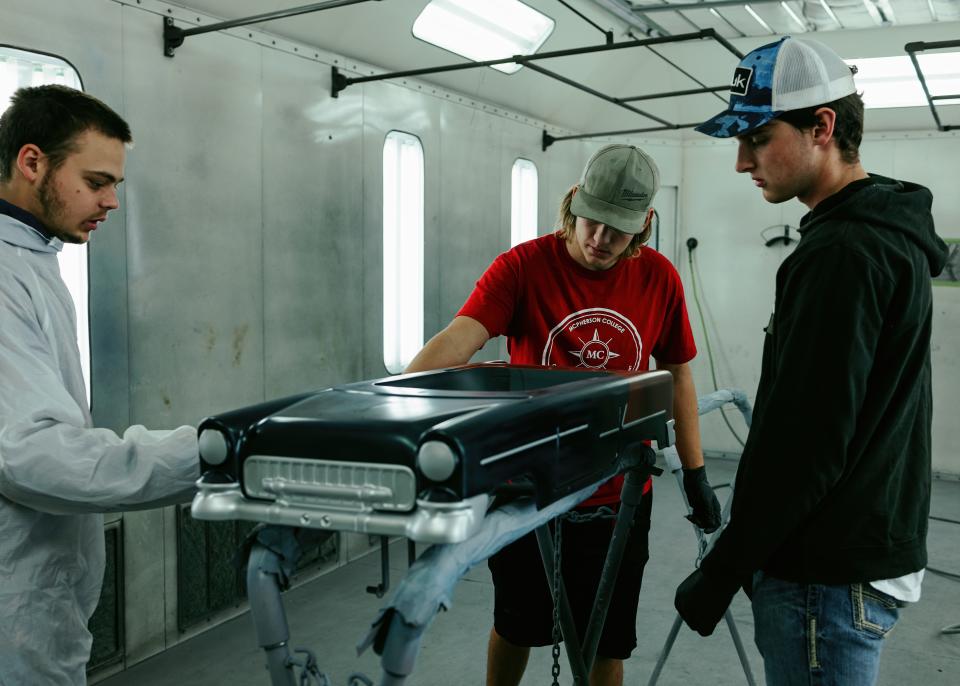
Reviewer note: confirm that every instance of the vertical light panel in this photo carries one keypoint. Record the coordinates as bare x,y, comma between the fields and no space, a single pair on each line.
402,250
20,68
523,201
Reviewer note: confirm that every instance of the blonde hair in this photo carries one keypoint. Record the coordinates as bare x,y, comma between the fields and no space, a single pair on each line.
566,226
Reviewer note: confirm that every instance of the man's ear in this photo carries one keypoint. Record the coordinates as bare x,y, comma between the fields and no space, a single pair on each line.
823,129
31,162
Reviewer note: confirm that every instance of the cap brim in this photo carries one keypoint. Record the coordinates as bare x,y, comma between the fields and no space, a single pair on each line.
731,123
620,218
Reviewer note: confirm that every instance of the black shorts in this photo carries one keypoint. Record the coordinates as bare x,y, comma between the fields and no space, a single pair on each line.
523,607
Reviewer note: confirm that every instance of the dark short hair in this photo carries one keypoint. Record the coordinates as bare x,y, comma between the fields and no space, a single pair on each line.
51,117
847,129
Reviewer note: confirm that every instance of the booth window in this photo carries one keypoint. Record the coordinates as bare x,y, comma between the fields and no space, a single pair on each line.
523,202
402,250
19,68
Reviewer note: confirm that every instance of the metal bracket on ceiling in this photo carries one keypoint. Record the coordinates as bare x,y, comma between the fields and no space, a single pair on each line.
173,36
919,46
608,35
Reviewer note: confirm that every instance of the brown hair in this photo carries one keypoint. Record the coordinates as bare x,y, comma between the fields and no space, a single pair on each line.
51,117
847,129
566,226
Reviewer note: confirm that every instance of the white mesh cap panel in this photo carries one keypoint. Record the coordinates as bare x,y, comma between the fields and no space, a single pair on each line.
808,73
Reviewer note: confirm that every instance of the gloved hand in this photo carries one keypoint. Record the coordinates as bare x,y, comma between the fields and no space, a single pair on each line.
702,599
706,507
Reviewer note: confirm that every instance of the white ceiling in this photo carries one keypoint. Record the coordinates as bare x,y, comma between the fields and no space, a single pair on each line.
379,33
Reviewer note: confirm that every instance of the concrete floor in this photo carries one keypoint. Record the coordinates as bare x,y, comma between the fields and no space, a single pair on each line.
331,614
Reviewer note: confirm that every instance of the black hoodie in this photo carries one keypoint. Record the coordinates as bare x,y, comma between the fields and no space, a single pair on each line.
834,483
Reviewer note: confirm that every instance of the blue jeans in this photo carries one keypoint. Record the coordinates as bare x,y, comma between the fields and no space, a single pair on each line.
817,635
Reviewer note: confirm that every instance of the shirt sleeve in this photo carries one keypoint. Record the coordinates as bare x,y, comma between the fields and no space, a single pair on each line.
494,298
829,319
50,459
676,344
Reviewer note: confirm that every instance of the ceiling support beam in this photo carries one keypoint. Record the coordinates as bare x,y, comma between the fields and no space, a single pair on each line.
339,81
919,46
174,36
705,5
607,35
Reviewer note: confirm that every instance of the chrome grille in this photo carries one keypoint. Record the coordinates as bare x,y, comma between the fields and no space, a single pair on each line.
350,485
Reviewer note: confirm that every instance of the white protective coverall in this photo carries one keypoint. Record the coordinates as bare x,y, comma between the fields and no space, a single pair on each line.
58,474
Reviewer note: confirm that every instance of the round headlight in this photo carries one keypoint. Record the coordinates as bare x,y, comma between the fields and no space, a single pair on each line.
213,446
436,460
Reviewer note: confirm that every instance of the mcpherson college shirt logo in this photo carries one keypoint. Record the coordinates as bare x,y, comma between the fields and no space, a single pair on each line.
594,338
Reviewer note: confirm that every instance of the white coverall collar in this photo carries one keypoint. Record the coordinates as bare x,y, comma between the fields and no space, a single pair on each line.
17,233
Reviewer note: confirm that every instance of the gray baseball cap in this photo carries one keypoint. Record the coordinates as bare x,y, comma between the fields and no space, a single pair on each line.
617,188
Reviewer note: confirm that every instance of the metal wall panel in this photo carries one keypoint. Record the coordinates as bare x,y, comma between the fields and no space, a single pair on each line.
312,227
195,278
470,230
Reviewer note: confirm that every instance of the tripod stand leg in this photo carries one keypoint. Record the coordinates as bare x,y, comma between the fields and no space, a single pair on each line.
665,653
740,650
269,618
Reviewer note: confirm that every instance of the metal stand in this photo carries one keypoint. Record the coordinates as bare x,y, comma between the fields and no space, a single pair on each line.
276,549
269,618
581,657
706,404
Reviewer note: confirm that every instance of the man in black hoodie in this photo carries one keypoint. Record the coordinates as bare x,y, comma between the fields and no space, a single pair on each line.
829,518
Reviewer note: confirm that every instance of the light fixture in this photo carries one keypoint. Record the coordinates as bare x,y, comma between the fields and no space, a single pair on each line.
793,15
886,12
760,21
826,8
892,81
873,11
487,30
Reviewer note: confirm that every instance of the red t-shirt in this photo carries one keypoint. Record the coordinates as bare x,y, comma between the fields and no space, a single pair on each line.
556,312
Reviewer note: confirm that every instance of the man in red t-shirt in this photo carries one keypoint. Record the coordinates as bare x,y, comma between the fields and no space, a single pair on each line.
590,295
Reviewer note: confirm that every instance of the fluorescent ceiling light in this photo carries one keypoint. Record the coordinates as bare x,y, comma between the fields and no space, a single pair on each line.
793,15
892,81
886,11
880,11
826,8
759,20
873,11
482,30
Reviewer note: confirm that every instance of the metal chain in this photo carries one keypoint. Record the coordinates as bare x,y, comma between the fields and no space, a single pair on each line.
573,517
557,580
602,512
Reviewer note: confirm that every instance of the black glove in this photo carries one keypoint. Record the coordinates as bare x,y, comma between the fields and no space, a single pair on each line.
706,507
702,599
